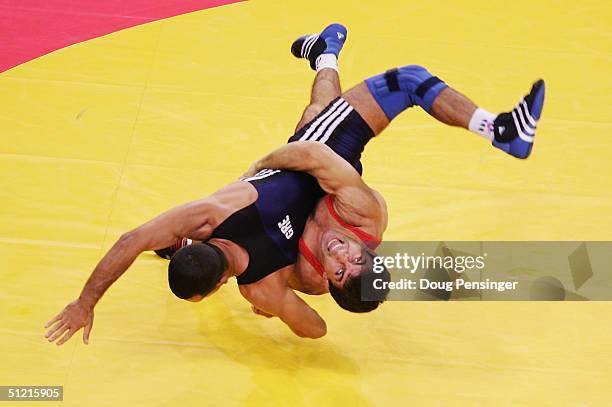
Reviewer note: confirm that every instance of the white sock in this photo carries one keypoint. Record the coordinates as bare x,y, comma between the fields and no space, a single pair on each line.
326,61
482,123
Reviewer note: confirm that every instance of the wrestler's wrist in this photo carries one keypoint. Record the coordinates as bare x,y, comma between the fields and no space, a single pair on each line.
87,302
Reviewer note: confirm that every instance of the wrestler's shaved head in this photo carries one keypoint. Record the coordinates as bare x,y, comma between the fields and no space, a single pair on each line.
196,270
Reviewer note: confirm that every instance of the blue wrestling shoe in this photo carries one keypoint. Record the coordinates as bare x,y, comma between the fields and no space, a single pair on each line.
514,131
330,41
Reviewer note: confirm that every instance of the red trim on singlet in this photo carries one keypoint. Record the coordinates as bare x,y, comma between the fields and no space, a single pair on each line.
365,237
310,258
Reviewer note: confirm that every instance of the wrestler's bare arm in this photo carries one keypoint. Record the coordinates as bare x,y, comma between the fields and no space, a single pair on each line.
303,320
271,296
355,201
191,219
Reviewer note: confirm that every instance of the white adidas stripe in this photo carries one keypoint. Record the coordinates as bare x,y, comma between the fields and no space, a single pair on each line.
525,137
528,130
312,43
304,44
525,113
524,118
314,125
309,43
533,121
335,124
329,120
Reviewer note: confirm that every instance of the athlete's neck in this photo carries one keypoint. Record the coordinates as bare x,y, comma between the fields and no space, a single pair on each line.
312,237
237,257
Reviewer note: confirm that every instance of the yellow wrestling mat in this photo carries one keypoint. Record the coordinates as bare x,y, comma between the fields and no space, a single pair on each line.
101,136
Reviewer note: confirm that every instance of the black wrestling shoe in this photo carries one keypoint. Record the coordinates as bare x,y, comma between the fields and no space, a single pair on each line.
168,252
329,41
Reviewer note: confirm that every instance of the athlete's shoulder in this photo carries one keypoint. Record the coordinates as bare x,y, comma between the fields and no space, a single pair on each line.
383,210
362,207
237,194
264,293
229,200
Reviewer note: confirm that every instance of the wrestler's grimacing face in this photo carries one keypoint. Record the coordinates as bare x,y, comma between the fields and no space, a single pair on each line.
343,256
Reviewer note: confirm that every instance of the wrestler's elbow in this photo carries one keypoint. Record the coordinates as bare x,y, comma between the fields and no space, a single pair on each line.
314,331
128,239
137,240
320,332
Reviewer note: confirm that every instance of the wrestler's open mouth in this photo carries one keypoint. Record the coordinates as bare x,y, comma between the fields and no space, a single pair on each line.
334,245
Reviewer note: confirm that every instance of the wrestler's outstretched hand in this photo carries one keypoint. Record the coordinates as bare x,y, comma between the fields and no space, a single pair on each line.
260,312
72,318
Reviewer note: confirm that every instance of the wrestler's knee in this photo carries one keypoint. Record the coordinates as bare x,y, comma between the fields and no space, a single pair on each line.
400,88
310,113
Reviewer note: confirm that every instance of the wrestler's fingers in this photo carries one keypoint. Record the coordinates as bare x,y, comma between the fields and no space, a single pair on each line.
54,320
65,338
54,329
86,332
59,332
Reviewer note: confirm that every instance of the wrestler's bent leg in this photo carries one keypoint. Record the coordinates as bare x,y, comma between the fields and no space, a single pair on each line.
381,98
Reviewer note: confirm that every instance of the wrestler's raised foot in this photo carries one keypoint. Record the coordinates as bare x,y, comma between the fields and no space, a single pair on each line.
329,41
514,131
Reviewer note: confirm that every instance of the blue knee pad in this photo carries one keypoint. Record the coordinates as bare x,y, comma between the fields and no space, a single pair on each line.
398,89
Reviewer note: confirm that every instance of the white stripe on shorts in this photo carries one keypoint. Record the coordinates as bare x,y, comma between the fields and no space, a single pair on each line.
335,124
339,105
331,119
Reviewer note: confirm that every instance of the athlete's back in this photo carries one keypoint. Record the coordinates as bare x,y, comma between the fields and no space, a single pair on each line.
269,227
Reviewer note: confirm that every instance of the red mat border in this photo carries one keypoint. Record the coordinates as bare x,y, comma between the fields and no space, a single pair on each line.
33,28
